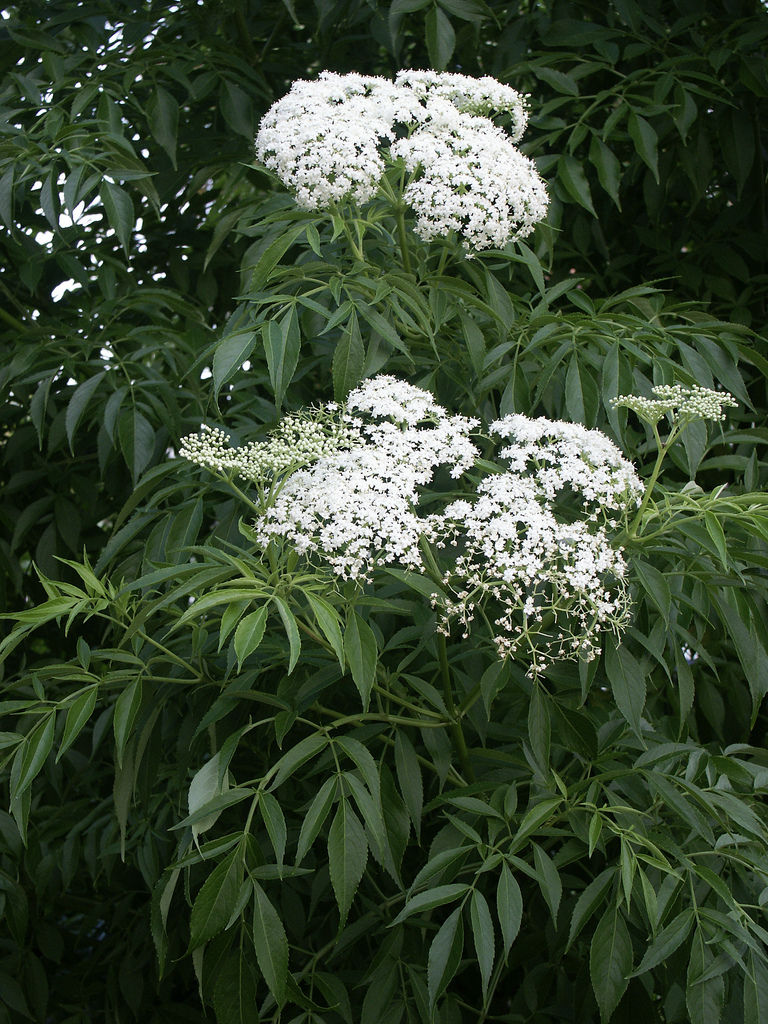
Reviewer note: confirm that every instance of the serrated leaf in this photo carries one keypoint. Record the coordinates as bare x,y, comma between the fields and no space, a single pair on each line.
347,857
163,116
78,714
315,817
429,899
137,441
328,620
441,38
610,961
703,995
627,684
230,354
250,632
208,782
291,631
216,900
348,359
297,756
509,907
274,821
589,901
548,879
666,942
409,778
271,945
608,168
361,654
646,142
235,997
482,935
126,709
78,403
571,174
119,209
444,955
30,756
282,344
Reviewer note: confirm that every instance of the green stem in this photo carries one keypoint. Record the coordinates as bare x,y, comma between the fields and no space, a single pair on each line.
12,321
403,238
651,484
457,732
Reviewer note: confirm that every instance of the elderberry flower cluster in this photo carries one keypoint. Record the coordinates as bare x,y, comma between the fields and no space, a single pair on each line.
530,549
331,140
554,582
682,404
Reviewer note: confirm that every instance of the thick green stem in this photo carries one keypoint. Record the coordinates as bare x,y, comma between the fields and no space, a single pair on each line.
403,238
457,733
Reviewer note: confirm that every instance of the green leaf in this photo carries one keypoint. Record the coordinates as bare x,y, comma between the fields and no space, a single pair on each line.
328,620
444,955
409,778
627,683
655,585
6,196
646,142
78,714
235,997
31,754
274,820
588,902
755,990
666,942
297,756
548,879
559,80
137,441
216,900
509,907
608,168
347,856
703,995
231,352
78,404
429,899
315,817
539,726
291,631
610,961
348,360
535,817
361,654
250,633
208,782
482,934
163,116
271,944
441,39
274,253
571,174
119,209
126,708
282,344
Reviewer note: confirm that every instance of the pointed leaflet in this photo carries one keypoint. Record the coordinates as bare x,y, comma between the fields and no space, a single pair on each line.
271,944
646,142
610,961
444,955
163,116
362,654
282,343
430,899
441,38
509,907
78,714
666,942
31,754
571,174
549,880
137,440
250,633
588,902
328,621
703,995
274,820
347,856
119,210
126,709
755,990
608,168
627,683
482,934
291,631
207,783
235,998
409,778
315,817
348,359
230,354
213,906
78,404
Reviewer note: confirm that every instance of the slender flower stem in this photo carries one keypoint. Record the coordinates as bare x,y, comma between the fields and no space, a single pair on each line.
651,484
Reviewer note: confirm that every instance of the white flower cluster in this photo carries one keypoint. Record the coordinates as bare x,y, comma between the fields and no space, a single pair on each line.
682,404
358,509
530,552
555,582
329,141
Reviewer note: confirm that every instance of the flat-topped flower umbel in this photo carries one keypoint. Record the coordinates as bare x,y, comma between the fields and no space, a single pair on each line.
331,141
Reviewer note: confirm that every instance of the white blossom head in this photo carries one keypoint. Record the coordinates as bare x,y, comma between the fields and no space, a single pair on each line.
682,404
331,140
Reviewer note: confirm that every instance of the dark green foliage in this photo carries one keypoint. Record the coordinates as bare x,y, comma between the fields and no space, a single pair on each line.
233,785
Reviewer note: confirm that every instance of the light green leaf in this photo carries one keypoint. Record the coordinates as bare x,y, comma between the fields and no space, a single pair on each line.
291,630
361,654
31,754
666,942
249,633
78,404
207,783
126,708
119,210
328,620
315,817
282,344
78,714
627,683
509,906
441,38
231,352
409,778
274,820
571,174
297,756
549,880
348,360
703,995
